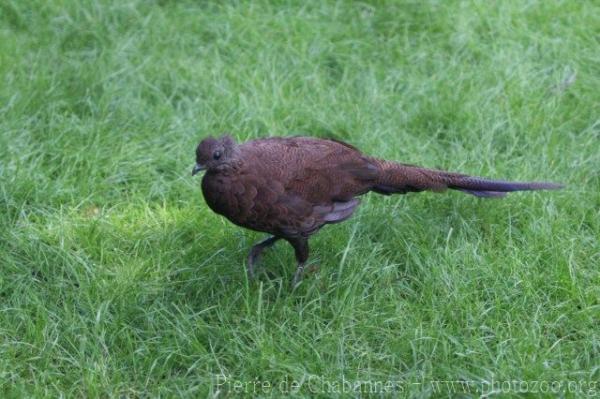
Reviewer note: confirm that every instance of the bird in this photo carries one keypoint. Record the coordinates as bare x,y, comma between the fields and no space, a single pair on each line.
290,187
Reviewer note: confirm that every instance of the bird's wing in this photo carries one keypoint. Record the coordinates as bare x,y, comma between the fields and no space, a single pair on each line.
320,171
299,184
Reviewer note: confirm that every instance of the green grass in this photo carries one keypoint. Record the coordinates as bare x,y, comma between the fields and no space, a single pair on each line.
117,280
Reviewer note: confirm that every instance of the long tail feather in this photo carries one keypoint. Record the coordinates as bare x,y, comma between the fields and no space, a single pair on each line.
495,188
400,178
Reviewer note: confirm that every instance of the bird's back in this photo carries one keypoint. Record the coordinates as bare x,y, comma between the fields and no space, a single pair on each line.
318,170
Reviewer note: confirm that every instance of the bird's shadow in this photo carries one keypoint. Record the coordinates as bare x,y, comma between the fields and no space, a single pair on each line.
218,265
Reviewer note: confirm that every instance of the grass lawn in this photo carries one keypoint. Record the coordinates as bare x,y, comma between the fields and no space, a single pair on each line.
116,280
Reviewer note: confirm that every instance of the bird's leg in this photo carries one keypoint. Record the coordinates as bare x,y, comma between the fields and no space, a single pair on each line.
300,245
256,251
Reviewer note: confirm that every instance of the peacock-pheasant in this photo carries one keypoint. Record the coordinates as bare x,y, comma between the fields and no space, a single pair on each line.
291,187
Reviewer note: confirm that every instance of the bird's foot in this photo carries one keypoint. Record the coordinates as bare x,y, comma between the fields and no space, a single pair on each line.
298,275
252,259
250,269
255,254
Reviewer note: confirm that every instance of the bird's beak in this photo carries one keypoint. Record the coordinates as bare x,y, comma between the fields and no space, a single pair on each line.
197,168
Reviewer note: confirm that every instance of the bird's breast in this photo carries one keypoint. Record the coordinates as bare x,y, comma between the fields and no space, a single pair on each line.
235,197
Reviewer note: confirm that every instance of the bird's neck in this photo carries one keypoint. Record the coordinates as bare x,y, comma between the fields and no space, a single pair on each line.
230,167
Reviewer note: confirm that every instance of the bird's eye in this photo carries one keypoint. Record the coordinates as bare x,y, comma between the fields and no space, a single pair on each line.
217,154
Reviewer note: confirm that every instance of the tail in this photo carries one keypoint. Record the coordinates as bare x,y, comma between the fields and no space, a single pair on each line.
400,178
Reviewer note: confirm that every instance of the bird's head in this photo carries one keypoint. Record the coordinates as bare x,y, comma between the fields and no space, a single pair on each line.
212,153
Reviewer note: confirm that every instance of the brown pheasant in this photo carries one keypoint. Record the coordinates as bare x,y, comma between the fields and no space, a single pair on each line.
291,187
